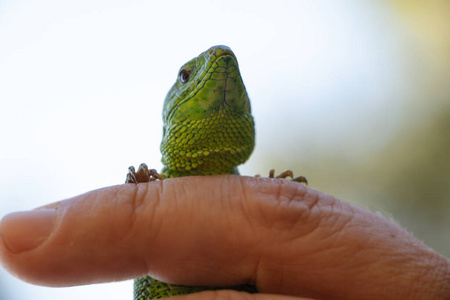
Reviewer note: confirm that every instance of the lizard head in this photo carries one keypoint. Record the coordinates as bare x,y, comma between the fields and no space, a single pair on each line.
206,84
207,115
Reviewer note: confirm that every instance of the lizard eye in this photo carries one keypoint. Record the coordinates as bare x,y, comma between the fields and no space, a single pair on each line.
184,76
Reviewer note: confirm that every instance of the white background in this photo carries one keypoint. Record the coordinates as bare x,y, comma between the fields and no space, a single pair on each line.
82,85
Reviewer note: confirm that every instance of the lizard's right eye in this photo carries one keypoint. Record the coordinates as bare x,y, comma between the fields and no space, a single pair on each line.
184,76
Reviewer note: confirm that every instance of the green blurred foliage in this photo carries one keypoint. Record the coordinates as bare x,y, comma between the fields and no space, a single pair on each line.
418,169
417,164
407,177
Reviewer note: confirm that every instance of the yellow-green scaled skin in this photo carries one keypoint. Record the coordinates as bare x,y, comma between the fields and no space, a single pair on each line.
208,130
208,126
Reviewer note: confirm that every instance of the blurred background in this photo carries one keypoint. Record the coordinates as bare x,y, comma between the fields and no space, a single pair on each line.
354,95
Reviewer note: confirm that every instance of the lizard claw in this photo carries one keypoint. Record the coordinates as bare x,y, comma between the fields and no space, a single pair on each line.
285,174
143,174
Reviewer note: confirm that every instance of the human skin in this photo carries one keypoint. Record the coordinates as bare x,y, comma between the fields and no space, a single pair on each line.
290,240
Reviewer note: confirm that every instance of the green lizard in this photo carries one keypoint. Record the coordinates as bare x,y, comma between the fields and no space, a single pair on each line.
208,130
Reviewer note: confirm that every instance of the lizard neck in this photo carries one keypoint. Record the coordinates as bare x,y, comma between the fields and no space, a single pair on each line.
210,146
171,173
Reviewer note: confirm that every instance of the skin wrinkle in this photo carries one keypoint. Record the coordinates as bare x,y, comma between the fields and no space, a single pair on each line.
247,211
441,272
183,260
431,273
265,219
155,228
269,213
224,206
345,233
134,203
298,216
288,225
378,271
209,235
359,246
289,208
255,278
335,241
245,204
249,216
420,278
420,281
119,232
147,204
137,203
308,216
409,270
278,194
340,224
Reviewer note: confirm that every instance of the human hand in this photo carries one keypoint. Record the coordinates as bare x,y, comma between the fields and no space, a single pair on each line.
286,238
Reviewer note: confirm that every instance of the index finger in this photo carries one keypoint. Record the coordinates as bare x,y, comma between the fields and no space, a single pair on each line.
222,230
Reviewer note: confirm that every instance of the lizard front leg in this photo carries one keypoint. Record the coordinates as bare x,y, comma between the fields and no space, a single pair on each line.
285,175
143,174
